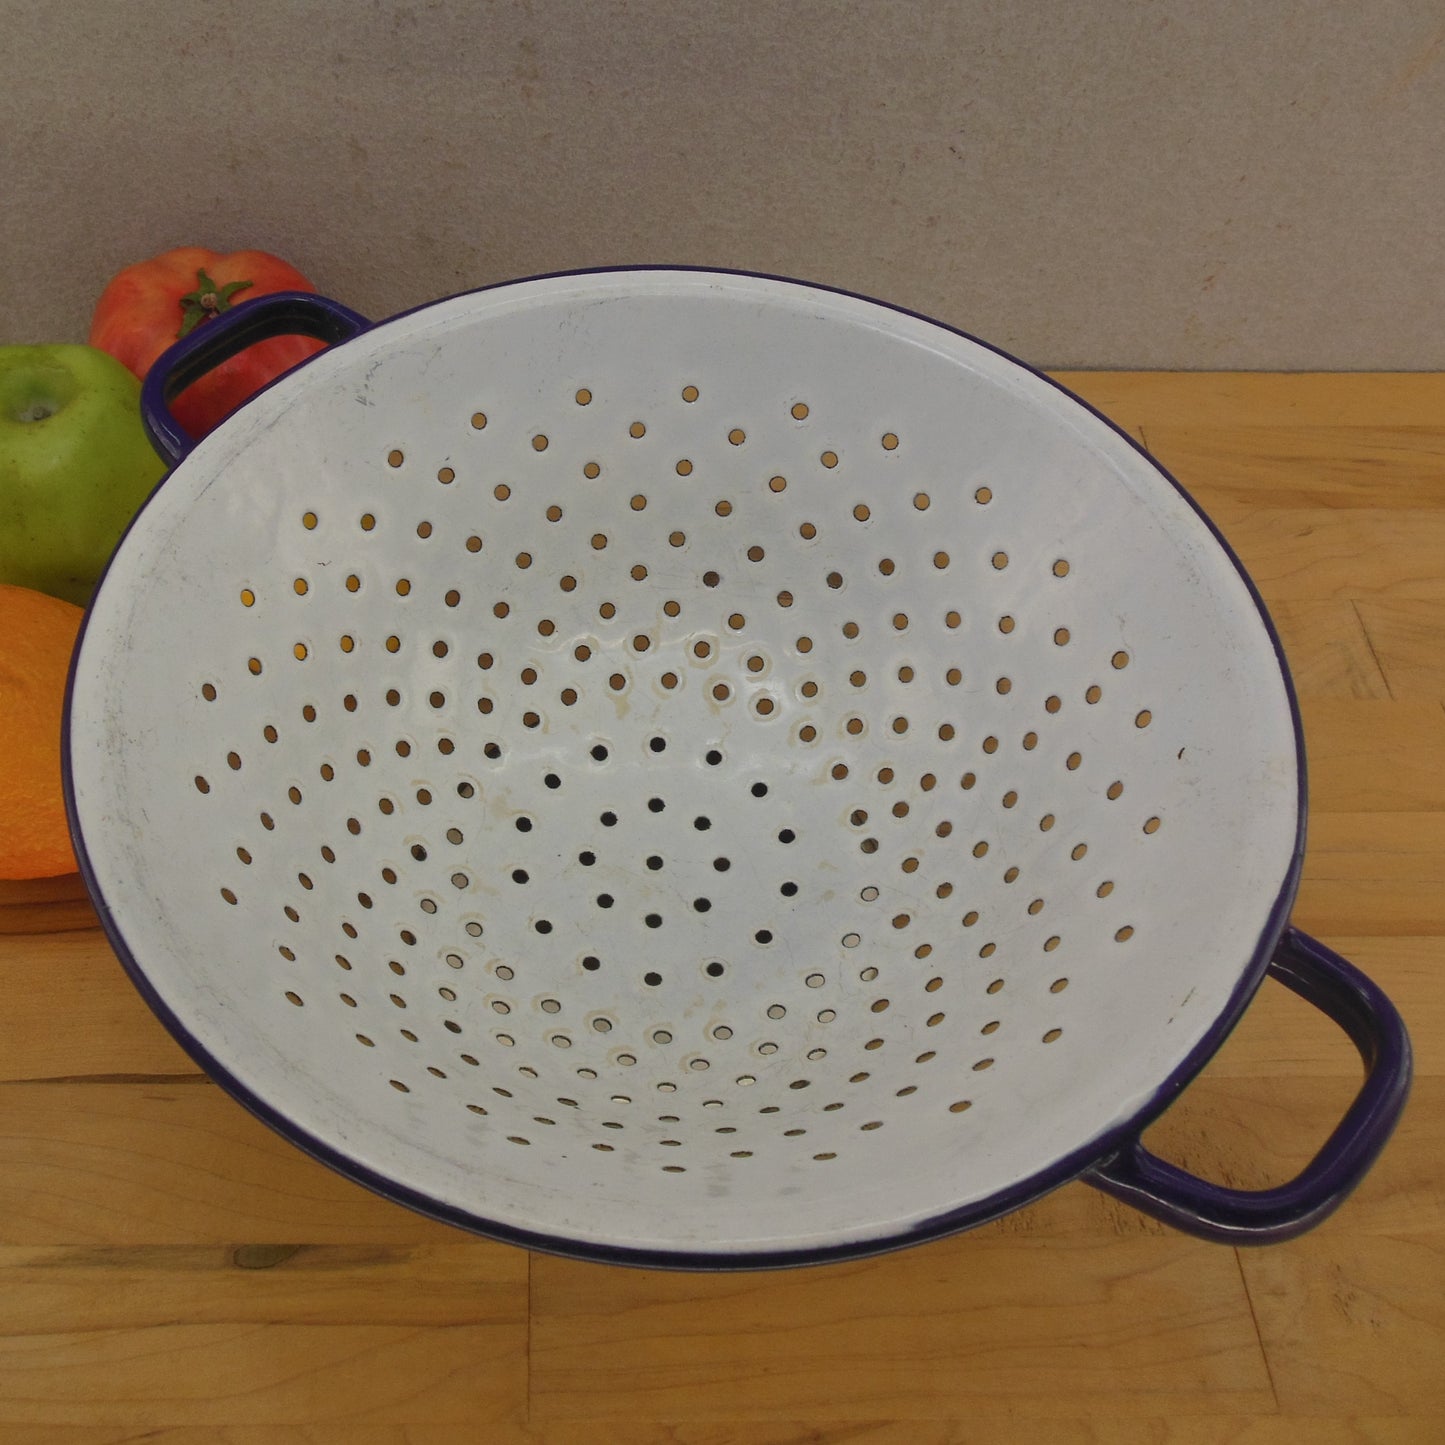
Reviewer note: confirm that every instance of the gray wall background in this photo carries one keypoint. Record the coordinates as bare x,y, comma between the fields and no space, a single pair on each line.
1113,183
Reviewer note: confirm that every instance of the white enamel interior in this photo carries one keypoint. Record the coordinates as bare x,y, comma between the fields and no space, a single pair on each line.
889,1037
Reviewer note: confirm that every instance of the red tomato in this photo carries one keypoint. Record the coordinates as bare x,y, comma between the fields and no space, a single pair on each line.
149,305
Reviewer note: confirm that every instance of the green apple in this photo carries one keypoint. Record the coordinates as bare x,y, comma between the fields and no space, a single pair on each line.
75,464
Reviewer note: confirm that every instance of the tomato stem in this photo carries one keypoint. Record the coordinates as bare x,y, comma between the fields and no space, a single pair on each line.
205,301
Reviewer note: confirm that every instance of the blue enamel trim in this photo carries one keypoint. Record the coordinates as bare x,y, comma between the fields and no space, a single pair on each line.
1090,1161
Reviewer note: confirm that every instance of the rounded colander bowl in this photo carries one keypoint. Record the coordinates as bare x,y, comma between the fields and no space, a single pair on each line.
692,768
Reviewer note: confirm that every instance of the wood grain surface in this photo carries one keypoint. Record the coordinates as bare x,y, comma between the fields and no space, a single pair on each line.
170,1271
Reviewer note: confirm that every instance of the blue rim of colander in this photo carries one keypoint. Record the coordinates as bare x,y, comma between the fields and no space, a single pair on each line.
1112,1143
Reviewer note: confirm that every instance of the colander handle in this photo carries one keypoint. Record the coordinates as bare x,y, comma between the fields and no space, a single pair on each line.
1264,1216
282,313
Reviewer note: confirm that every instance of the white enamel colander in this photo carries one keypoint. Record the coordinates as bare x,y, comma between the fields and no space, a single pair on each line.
690,768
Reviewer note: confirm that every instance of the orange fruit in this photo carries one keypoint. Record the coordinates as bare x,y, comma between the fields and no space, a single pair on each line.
37,636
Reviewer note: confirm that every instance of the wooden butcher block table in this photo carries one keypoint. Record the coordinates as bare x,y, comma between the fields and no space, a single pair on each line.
172,1271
